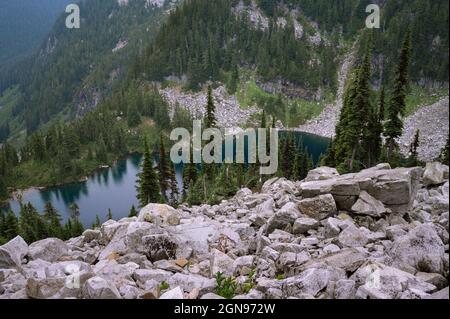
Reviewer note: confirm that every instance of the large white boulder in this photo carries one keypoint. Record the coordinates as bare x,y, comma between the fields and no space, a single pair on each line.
50,249
159,213
434,174
421,250
12,253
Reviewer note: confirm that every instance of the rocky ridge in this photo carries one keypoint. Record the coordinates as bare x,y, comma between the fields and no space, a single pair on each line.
380,233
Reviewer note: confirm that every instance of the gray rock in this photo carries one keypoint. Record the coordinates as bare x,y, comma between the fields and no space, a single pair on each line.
168,265
367,205
435,279
441,294
222,263
434,174
378,281
243,265
99,288
175,293
90,235
396,188
212,296
50,249
302,225
353,237
420,250
345,289
12,253
191,282
319,207
143,275
331,227
45,288
311,282
130,292
283,219
159,214
321,173
348,259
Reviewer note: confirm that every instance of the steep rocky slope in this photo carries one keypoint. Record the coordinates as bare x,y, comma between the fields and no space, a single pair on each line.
380,233
325,123
432,121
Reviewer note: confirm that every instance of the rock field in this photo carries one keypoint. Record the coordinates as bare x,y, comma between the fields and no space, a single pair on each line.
381,233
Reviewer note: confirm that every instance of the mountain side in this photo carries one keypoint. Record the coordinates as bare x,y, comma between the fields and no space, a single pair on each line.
24,25
75,68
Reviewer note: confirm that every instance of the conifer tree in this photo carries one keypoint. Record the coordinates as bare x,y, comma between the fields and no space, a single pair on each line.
98,222
163,169
74,211
53,220
210,118
3,188
413,159
234,79
133,212
397,105
109,216
148,190
10,226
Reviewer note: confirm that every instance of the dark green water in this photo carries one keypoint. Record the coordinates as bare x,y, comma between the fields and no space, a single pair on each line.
114,188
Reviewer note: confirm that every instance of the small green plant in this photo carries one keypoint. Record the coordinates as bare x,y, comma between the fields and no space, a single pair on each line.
249,284
164,286
226,286
280,277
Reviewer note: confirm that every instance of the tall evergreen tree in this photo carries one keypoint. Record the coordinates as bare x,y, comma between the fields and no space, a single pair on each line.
164,173
397,105
210,118
133,212
10,226
53,220
148,190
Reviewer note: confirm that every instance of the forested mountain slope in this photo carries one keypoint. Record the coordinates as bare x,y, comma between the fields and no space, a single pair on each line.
257,48
24,24
75,67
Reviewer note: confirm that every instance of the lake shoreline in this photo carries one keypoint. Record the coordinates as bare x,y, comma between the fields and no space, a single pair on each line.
17,193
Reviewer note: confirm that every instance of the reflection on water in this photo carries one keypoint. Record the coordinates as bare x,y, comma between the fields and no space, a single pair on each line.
114,188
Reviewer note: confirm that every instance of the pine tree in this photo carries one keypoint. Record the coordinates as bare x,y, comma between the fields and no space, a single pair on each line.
234,79
134,119
210,118
413,159
53,220
163,169
10,226
98,222
397,106
102,153
32,227
329,159
148,190
3,188
174,192
74,211
133,212
109,216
